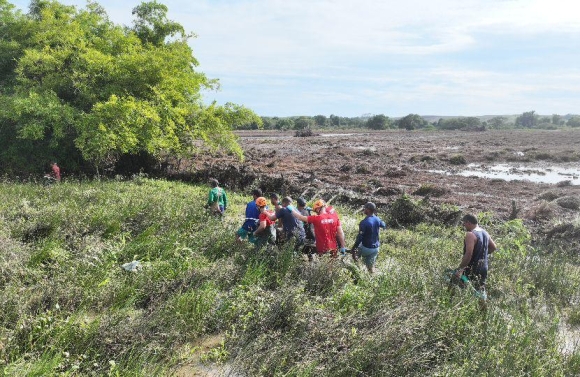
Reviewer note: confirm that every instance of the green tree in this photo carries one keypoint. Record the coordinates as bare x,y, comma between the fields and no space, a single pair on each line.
461,123
285,124
320,120
557,119
527,120
498,122
378,122
303,123
86,90
411,122
574,121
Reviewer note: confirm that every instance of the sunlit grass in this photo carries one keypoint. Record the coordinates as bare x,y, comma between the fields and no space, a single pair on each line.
68,308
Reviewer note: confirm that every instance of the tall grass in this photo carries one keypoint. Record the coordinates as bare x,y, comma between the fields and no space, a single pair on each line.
68,308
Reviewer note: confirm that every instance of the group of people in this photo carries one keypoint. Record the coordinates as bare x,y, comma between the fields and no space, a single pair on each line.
321,225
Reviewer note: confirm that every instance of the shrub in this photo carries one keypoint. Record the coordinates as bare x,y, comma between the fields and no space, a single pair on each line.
569,202
457,160
431,190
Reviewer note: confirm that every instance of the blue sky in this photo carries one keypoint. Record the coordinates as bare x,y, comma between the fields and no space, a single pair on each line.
348,58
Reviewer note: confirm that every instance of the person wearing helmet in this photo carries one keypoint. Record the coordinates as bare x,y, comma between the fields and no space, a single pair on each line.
252,219
292,228
327,228
266,232
218,200
367,242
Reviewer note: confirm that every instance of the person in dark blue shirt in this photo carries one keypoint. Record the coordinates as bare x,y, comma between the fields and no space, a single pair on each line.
367,242
292,228
252,219
477,245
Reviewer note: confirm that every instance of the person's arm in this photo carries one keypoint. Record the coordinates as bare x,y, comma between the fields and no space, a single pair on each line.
261,227
273,216
470,240
341,237
225,199
359,236
491,246
300,216
211,197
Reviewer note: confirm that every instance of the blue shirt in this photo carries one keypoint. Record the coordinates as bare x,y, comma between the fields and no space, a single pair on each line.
252,217
290,224
369,232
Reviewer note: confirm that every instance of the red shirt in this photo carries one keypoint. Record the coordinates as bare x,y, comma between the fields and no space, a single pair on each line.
325,227
264,216
56,172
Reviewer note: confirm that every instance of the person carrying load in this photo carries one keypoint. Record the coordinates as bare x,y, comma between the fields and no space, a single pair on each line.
327,229
251,220
266,232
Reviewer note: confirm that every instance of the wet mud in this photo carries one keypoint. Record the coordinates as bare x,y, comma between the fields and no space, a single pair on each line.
380,166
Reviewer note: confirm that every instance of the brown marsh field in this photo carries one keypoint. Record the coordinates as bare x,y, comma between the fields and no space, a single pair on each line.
478,171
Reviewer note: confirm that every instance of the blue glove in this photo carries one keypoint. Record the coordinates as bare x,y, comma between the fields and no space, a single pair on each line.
290,207
343,251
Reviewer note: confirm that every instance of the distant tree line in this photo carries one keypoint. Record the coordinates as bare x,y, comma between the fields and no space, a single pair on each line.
416,122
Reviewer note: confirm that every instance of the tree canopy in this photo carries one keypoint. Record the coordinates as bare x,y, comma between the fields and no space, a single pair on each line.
77,87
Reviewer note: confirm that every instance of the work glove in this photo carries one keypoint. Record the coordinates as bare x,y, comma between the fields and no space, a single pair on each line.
343,251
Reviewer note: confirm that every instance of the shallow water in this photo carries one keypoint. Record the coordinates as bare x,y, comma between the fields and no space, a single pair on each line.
507,172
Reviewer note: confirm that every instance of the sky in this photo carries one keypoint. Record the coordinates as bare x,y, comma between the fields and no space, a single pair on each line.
359,57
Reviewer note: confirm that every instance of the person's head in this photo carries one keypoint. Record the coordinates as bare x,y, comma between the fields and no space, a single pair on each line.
301,202
52,163
369,208
256,193
286,201
318,205
213,182
274,198
261,203
469,222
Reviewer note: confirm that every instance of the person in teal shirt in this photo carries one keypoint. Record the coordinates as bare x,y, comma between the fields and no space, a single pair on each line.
218,199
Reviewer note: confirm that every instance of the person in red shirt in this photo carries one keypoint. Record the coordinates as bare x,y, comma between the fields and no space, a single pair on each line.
327,228
266,232
54,175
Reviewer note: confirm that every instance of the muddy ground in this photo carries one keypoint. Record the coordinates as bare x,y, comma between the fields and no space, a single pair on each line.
352,167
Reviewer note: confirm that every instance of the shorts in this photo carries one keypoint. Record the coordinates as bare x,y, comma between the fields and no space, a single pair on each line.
368,255
243,233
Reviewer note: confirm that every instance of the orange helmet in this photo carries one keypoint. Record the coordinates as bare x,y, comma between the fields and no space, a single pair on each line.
318,204
261,201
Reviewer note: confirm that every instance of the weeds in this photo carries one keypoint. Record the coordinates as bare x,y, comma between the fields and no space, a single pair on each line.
68,308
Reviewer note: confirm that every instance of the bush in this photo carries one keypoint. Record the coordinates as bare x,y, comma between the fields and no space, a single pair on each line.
569,202
457,160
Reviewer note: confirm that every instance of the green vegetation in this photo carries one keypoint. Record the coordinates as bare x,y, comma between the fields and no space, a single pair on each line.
77,88
68,308
527,120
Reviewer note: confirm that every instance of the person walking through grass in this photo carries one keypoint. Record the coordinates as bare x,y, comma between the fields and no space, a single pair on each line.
327,229
367,241
251,220
218,199
292,228
477,245
266,232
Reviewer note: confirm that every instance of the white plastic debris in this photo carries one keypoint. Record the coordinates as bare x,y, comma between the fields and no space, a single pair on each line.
132,266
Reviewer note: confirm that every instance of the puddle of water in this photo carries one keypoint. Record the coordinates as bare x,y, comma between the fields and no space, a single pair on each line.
508,172
335,135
